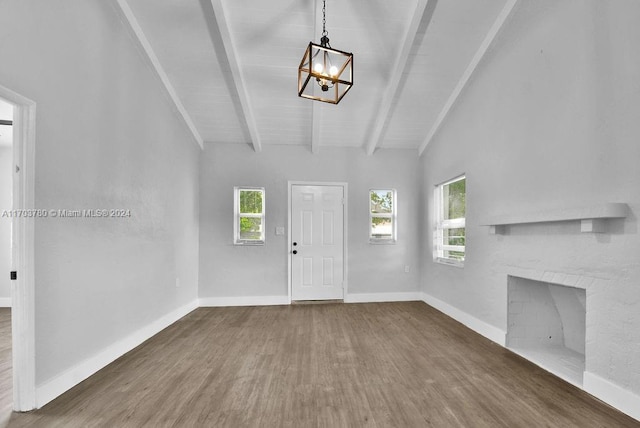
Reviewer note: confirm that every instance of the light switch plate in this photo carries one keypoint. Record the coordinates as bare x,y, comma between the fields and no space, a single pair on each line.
280,231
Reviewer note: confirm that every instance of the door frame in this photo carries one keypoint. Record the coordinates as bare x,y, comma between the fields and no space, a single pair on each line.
22,254
345,188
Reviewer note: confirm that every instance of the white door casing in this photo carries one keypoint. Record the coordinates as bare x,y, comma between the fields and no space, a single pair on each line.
22,251
316,241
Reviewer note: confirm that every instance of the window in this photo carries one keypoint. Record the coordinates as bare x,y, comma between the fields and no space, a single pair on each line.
450,222
382,216
249,215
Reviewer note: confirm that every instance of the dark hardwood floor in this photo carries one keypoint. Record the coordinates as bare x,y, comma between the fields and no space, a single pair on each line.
6,373
335,365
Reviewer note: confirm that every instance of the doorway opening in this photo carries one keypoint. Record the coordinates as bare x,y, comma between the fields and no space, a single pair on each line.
6,205
22,173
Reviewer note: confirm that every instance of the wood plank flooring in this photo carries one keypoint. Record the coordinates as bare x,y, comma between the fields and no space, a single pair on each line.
6,363
337,365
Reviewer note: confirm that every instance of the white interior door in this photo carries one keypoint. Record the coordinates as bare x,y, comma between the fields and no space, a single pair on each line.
317,242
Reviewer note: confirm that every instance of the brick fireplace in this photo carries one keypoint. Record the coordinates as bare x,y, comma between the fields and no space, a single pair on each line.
546,323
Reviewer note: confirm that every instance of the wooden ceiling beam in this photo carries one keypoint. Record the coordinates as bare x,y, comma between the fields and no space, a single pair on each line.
471,68
134,26
228,60
421,13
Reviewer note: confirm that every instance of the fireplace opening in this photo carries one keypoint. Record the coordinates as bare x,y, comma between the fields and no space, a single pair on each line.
546,324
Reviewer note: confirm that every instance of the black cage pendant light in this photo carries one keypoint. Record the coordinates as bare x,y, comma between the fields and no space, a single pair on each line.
325,74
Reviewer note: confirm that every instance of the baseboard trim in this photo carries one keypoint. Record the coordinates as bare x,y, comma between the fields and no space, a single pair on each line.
243,301
612,394
73,376
383,297
487,330
5,302
284,300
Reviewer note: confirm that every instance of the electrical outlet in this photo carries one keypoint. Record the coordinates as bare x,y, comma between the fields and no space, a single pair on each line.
177,282
406,269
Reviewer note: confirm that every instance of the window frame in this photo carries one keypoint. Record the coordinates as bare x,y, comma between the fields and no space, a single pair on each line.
439,247
237,216
392,215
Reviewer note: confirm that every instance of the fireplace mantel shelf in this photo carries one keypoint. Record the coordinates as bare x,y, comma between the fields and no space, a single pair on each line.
592,218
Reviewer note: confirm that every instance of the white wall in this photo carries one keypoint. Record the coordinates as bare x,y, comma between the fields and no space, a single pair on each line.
551,119
6,160
107,137
231,271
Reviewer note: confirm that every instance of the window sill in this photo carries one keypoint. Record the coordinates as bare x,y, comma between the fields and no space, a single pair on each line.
249,243
382,241
449,262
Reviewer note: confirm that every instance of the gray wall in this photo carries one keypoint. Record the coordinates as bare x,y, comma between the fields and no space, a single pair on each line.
550,120
107,137
6,160
231,271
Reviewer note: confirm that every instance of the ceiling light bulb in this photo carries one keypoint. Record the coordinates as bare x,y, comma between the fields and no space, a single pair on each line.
333,71
318,68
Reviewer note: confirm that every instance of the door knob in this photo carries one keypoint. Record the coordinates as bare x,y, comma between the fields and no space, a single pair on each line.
295,251
295,243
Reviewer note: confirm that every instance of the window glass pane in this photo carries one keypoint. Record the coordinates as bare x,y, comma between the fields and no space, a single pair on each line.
450,236
454,199
250,227
381,227
251,201
457,255
249,219
453,237
381,201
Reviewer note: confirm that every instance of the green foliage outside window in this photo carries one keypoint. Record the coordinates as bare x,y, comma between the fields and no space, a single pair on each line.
250,228
455,208
457,193
381,203
251,203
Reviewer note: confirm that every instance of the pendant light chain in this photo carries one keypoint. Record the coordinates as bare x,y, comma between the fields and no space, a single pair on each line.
324,40
324,18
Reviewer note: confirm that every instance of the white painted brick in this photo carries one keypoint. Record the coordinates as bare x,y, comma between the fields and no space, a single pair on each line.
571,280
516,308
584,282
547,277
558,278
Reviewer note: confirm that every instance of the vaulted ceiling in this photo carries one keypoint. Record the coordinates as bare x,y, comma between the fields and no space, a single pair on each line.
230,66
